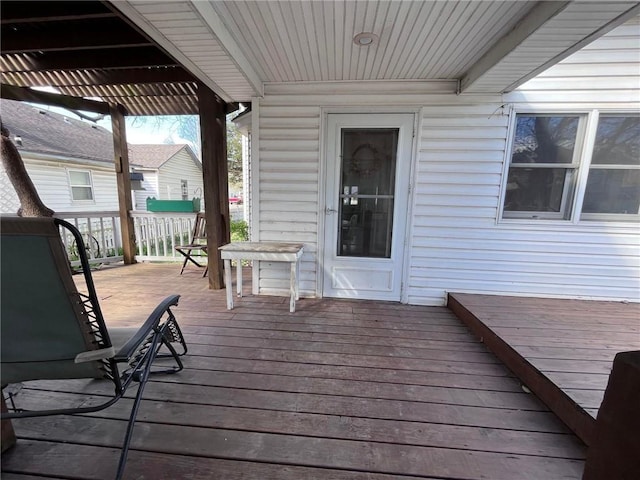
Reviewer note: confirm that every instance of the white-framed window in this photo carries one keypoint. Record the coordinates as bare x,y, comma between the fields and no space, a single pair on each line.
573,166
184,189
613,185
81,185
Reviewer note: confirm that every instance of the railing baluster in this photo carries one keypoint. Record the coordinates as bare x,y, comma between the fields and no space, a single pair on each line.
105,252
117,237
136,228
99,231
156,234
172,225
90,246
147,236
163,223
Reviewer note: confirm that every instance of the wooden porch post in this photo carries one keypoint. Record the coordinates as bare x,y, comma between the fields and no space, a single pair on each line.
121,155
213,131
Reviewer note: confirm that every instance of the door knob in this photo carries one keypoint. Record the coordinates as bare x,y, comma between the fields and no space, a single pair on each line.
329,211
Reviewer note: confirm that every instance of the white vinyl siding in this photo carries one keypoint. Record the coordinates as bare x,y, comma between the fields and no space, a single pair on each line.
180,167
456,242
150,185
52,183
457,245
603,75
288,195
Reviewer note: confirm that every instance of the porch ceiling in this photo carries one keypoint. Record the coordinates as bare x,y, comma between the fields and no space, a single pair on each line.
87,49
493,46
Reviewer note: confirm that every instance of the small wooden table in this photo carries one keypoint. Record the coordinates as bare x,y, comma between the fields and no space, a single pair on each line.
261,251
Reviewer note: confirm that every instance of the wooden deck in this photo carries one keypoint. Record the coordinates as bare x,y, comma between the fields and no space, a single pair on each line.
562,350
337,390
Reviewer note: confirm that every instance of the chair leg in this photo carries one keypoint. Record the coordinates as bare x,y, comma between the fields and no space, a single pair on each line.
184,264
188,258
132,420
170,331
141,375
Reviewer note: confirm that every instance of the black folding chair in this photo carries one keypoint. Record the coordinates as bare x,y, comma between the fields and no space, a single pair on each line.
50,331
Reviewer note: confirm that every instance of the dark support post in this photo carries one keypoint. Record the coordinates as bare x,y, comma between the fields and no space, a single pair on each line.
213,131
615,451
121,155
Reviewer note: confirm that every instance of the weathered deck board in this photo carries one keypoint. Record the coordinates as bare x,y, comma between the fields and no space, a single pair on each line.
95,463
333,426
304,450
340,389
562,349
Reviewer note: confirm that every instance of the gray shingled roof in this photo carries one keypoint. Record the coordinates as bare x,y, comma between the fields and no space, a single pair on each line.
47,132
152,156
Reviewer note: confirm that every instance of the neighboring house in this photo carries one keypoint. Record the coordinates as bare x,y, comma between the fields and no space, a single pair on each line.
171,172
456,209
69,161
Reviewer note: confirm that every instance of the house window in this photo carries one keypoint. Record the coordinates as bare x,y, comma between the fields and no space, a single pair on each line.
613,184
184,189
544,162
81,186
556,165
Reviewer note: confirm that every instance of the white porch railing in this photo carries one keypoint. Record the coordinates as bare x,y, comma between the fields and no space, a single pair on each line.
101,234
157,234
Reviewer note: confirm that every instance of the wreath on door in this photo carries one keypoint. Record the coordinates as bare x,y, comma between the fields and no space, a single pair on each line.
365,160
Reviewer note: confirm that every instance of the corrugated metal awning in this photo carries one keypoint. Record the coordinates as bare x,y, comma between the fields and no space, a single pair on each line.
87,49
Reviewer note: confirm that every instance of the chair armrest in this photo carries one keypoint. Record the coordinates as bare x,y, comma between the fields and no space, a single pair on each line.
92,355
129,348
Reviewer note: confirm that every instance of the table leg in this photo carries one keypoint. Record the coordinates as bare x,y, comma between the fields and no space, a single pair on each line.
292,288
228,286
8,435
298,280
239,277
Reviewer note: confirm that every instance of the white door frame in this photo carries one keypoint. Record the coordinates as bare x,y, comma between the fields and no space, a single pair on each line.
402,264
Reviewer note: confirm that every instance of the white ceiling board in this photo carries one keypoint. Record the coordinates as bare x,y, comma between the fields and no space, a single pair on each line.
237,46
295,41
180,29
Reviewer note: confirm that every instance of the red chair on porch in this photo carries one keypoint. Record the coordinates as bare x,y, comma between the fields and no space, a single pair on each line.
197,248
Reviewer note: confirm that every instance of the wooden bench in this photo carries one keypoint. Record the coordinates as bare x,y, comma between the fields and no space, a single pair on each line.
261,251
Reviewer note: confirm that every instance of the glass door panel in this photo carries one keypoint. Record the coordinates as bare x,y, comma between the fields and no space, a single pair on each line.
367,191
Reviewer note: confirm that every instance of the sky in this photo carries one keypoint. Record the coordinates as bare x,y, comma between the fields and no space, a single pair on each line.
144,133
137,134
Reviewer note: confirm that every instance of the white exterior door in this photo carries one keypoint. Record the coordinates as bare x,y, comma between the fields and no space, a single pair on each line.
367,196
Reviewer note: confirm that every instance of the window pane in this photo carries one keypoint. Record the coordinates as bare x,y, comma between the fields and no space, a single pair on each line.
536,190
184,189
80,178
612,191
366,228
367,191
369,160
82,193
544,139
617,141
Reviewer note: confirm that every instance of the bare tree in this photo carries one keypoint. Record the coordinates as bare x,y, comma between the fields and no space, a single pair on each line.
30,203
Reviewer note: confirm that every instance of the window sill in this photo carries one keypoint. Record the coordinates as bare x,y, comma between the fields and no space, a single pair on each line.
612,226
